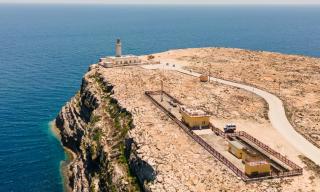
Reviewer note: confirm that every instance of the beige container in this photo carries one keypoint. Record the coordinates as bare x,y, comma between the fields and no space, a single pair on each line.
249,155
236,148
204,78
255,168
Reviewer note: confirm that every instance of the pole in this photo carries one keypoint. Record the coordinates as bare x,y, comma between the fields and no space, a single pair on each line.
252,95
162,82
209,72
279,88
161,90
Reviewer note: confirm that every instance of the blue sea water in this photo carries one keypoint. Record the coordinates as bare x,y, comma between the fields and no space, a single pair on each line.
45,50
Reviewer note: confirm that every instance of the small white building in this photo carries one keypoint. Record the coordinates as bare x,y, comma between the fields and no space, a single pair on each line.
119,59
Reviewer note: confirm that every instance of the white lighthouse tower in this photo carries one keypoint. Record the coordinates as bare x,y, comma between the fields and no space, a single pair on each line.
118,48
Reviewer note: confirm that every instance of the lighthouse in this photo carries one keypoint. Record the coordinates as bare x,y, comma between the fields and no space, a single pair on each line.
118,48
119,59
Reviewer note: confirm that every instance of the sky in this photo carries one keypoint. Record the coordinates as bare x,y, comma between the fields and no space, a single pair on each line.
168,1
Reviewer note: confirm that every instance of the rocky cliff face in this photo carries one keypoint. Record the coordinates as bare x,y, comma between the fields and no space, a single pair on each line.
94,126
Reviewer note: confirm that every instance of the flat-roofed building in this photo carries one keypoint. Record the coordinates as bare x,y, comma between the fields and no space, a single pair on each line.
119,59
195,118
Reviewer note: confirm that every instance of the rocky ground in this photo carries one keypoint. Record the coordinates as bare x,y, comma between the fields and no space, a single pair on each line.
123,142
295,79
180,163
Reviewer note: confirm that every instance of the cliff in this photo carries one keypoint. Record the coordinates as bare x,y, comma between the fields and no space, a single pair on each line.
94,126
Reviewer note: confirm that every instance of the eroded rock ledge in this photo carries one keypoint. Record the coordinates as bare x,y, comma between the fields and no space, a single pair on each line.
94,126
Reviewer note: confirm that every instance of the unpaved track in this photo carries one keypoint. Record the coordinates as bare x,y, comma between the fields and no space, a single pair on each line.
276,113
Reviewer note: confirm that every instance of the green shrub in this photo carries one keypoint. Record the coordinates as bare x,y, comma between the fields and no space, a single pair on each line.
97,135
94,119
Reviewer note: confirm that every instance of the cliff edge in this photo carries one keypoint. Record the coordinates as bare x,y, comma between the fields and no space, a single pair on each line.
94,126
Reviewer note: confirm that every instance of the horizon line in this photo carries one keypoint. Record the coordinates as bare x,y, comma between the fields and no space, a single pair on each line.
169,4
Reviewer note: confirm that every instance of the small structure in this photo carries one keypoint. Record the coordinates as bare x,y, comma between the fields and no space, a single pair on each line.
250,155
150,57
236,148
255,164
119,59
204,78
257,168
195,118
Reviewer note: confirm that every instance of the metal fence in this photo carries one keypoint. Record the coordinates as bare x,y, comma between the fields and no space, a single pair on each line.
296,169
269,150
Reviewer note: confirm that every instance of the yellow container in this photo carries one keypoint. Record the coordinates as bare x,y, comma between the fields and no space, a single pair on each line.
249,155
236,148
257,168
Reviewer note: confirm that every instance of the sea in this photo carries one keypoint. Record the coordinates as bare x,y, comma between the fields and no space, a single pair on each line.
46,49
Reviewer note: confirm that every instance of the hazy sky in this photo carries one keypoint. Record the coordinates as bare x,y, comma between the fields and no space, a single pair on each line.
169,1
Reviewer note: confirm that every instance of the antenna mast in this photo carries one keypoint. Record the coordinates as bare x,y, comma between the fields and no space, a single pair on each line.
161,90
162,77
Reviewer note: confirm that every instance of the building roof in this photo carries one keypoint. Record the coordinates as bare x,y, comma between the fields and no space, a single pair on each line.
194,111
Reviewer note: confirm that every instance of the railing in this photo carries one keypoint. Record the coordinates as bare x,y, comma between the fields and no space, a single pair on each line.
259,144
296,169
217,131
198,139
269,150
172,98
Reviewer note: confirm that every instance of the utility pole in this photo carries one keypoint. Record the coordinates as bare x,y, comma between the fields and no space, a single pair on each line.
209,72
161,90
279,88
162,78
241,76
252,95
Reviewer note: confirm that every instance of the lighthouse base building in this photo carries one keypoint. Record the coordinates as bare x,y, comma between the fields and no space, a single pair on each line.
119,59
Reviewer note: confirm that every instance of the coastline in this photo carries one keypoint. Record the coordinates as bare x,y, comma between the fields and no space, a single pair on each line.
70,156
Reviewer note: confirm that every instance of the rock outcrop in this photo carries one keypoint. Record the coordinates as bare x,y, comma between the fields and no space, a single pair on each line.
94,126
